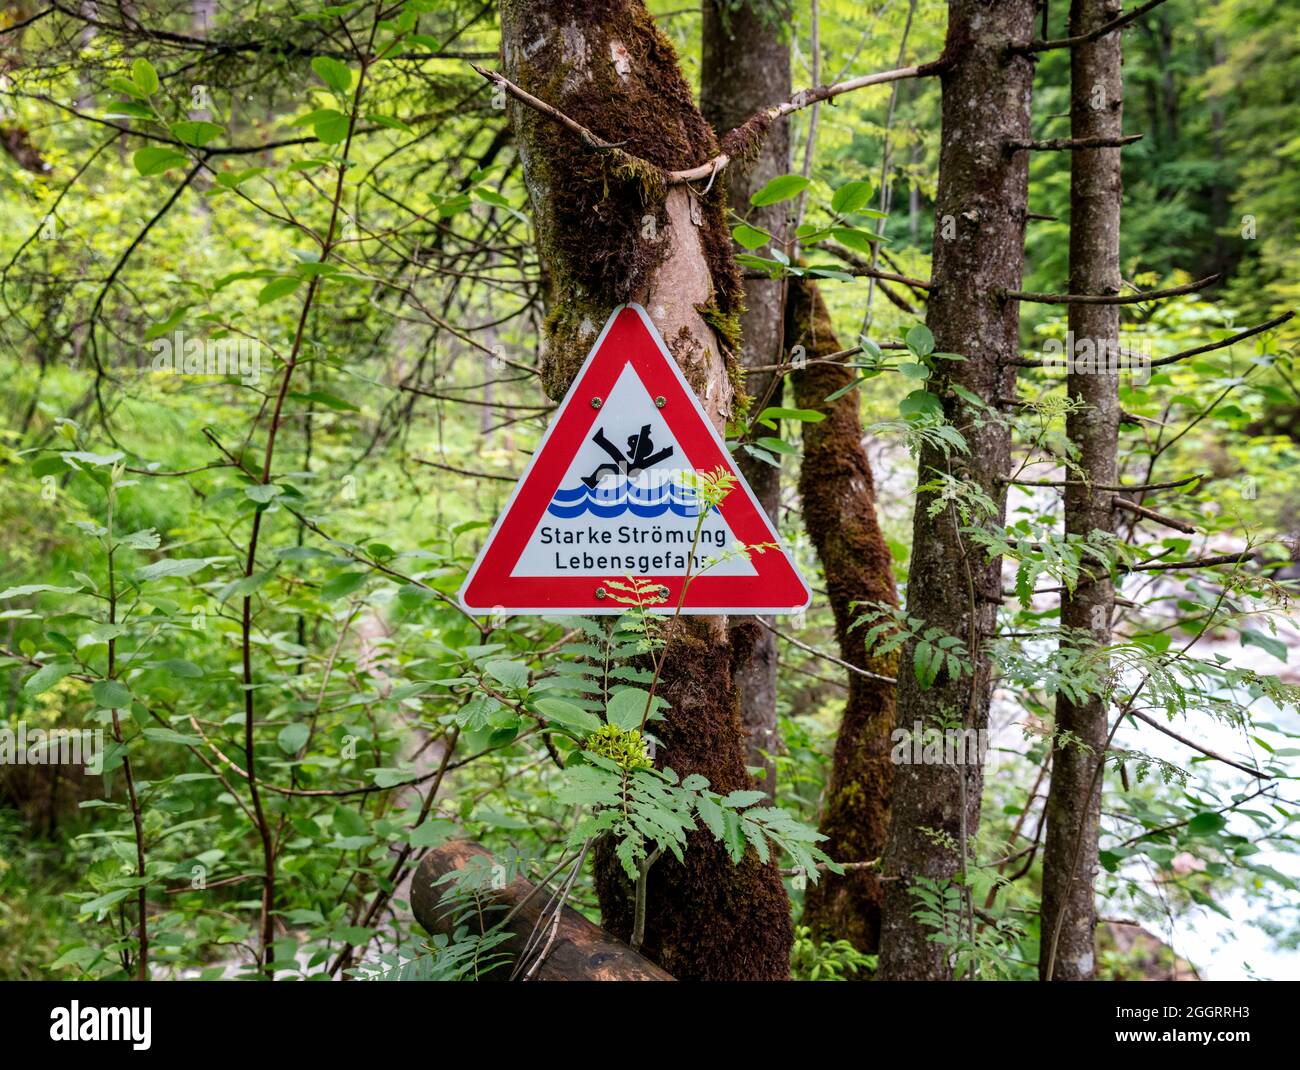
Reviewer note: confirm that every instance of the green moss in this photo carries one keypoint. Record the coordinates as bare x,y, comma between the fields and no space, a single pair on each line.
727,327
743,143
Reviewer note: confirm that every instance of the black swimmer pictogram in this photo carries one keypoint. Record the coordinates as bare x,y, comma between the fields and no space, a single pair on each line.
639,455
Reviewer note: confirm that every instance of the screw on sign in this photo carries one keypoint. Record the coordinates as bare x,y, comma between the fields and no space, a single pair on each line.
613,493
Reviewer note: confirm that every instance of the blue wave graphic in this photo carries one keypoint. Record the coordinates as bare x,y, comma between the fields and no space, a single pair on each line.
618,495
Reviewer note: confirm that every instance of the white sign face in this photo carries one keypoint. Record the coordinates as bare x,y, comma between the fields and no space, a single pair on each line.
625,506
610,496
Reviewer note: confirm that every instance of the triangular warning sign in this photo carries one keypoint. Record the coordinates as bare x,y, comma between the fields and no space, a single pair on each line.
609,494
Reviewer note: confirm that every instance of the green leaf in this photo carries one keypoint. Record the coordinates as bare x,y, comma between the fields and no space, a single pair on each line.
808,416
920,403
781,188
914,371
196,133
98,460
567,715
125,109
748,237
168,325
396,124
829,273
342,584
1206,824
293,737
278,288
47,676
233,179
331,127
103,902
857,240
712,815
348,822
1275,646
851,196
173,566
626,708
740,799
155,159
513,674
333,73
170,735
320,397
262,492
836,395
309,164
80,956
36,588
110,694
179,667
125,85
432,833
919,340
244,586
144,76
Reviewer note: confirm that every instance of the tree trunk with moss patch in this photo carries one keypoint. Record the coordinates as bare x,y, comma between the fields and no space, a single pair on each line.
1096,191
839,513
744,67
978,253
612,230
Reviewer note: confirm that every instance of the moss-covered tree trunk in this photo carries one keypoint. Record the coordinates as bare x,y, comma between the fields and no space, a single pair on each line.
611,230
1096,189
745,67
839,512
978,253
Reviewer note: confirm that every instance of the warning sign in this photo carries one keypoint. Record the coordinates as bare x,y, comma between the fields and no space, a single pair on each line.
615,491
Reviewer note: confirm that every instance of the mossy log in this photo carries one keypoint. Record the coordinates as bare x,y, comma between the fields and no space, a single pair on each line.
580,952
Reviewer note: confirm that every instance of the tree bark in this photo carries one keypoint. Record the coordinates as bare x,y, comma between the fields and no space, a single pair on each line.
839,512
580,952
978,252
611,230
1073,806
744,67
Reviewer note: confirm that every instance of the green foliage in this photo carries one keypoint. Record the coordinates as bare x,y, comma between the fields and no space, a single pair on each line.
361,217
827,960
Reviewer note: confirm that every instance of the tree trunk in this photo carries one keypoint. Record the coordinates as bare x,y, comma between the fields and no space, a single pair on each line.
839,513
612,230
744,67
1073,806
978,252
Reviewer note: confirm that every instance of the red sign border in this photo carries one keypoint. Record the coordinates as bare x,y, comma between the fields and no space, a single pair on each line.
703,449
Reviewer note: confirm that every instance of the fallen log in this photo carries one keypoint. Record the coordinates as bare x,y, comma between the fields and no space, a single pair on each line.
580,951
